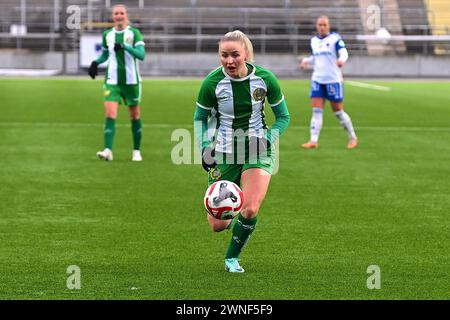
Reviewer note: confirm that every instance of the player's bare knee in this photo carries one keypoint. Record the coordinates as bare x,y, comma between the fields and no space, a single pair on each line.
250,211
337,107
111,112
135,113
112,115
218,226
134,116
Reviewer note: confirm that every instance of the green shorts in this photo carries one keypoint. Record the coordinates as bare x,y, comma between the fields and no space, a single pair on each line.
232,171
130,93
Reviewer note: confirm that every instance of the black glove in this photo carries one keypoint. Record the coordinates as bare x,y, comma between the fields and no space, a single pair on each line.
118,47
208,161
93,70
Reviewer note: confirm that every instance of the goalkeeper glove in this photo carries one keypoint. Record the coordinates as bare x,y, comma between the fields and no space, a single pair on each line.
208,161
118,47
93,70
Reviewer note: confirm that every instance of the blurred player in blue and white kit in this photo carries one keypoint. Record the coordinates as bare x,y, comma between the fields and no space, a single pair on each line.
328,56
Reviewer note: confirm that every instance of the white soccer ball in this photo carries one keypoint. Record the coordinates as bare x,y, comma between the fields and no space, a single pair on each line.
223,199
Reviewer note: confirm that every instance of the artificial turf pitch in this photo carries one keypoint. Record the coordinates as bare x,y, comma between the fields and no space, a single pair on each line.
139,231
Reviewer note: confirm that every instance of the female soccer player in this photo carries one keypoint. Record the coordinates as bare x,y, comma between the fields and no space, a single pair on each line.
230,104
328,55
122,45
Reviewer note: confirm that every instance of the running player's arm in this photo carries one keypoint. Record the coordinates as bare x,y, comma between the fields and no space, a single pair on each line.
279,108
138,49
282,119
105,52
342,53
309,60
103,57
201,126
206,101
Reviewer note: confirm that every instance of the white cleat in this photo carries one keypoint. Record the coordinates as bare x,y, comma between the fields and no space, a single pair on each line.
232,265
105,155
136,155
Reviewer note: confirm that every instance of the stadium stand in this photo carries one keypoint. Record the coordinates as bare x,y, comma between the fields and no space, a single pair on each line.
414,19
195,26
275,26
439,15
390,21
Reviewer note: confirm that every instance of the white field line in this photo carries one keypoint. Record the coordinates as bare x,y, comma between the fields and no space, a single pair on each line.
367,85
189,126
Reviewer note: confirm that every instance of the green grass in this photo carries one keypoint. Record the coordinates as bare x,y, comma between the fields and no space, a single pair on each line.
328,215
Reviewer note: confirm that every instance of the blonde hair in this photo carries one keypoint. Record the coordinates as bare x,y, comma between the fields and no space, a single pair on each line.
124,7
120,5
323,17
241,37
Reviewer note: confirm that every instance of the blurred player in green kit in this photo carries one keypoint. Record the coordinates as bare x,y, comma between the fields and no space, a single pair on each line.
121,46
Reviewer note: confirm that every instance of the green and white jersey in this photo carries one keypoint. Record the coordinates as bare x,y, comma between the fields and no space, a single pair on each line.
238,103
122,66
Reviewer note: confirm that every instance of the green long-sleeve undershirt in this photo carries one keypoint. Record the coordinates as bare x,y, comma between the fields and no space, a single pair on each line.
201,116
137,52
282,120
103,57
201,126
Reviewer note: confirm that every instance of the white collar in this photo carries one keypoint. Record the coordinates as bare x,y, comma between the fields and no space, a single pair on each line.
240,79
120,31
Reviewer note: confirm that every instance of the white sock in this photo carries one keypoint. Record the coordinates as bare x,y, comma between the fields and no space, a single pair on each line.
316,124
346,122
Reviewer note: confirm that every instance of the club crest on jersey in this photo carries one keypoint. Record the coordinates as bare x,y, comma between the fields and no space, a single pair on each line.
259,94
215,173
129,40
